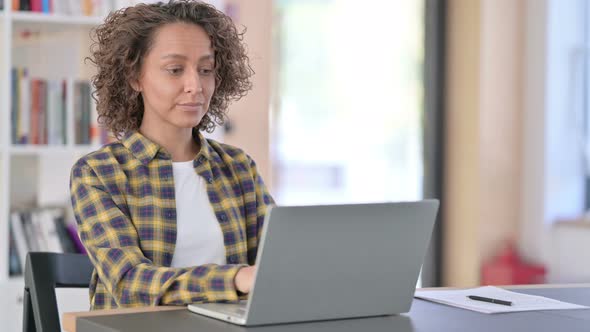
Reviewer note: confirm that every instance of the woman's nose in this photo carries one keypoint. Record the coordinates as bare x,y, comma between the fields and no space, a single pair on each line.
192,83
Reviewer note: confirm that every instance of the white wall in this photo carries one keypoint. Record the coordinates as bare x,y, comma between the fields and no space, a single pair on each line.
569,253
553,176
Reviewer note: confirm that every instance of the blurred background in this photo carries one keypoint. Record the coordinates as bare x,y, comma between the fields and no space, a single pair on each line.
483,104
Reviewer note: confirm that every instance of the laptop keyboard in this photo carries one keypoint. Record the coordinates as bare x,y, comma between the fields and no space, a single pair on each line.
237,309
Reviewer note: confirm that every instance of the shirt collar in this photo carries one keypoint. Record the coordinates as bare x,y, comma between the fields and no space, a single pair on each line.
205,151
145,150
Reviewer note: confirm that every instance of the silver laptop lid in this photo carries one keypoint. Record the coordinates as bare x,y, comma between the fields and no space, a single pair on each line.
339,261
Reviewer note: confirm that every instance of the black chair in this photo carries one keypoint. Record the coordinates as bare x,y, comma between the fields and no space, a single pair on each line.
44,272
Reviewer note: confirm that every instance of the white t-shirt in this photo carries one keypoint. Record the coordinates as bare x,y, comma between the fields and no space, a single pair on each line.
199,239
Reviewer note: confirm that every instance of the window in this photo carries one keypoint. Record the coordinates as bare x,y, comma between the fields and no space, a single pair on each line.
349,99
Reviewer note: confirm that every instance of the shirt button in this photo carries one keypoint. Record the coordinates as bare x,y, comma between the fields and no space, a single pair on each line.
210,180
201,159
223,217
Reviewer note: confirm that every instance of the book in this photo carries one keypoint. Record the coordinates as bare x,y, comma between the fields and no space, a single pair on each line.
73,7
38,111
59,7
24,106
14,109
14,262
85,107
42,98
24,5
42,229
102,7
82,112
46,6
38,235
66,240
32,244
34,97
55,113
64,116
95,130
36,6
73,232
20,241
87,7
48,229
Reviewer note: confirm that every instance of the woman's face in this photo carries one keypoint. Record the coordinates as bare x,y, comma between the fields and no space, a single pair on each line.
177,77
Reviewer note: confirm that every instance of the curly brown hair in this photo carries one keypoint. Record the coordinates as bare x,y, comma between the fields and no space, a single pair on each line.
122,41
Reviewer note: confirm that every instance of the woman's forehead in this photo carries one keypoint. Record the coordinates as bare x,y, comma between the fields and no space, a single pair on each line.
180,38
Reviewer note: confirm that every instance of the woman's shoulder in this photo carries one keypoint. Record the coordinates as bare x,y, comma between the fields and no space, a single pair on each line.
108,154
227,153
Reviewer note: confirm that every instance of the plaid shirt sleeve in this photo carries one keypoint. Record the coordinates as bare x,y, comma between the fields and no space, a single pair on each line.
259,203
263,198
132,279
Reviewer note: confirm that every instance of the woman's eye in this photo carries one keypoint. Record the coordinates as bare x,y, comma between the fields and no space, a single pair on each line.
206,71
174,71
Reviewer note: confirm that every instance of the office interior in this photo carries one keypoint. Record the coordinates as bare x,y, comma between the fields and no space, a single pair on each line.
483,104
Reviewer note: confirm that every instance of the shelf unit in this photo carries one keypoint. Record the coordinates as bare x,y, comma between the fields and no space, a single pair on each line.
40,18
37,175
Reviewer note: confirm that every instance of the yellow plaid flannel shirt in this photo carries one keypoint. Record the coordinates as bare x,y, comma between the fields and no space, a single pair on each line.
123,200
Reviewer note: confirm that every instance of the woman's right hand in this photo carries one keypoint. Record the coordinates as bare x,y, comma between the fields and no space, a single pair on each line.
244,279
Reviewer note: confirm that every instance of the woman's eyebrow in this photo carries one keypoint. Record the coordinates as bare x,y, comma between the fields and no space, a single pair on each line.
184,57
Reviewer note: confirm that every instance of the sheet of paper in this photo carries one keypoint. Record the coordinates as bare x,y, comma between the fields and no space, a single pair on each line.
520,302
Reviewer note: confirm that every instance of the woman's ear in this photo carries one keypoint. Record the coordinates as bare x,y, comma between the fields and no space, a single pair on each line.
135,85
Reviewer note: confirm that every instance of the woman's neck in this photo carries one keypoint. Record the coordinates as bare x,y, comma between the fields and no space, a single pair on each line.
179,143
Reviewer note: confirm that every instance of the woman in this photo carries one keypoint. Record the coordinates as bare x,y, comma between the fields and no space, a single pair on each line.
167,216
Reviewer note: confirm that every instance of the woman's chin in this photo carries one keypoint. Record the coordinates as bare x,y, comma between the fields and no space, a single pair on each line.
189,123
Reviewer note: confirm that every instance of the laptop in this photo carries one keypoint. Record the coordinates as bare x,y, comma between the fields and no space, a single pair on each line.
332,262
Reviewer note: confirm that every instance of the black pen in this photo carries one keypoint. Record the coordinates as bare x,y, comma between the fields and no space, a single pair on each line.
488,299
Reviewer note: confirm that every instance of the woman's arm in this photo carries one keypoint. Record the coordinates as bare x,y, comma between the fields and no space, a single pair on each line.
257,202
113,247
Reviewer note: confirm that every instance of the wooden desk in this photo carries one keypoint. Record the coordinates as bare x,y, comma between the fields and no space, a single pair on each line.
69,318
424,316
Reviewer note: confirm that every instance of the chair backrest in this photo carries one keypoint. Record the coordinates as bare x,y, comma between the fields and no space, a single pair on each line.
43,273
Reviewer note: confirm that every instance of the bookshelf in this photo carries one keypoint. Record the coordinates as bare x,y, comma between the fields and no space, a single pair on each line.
50,47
